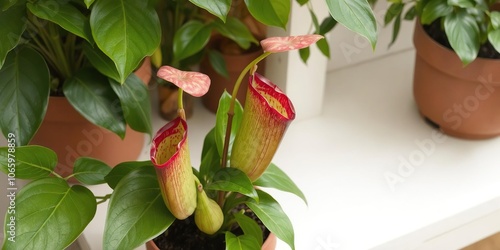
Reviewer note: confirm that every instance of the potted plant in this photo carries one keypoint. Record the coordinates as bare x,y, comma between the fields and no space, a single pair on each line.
220,198
67,50
456,77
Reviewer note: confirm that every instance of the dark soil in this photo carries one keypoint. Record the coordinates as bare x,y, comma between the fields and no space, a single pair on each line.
434,30
184,235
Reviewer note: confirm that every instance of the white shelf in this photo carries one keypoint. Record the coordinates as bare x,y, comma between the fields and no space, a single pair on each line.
340,160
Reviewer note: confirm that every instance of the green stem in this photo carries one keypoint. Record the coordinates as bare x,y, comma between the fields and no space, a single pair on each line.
103,198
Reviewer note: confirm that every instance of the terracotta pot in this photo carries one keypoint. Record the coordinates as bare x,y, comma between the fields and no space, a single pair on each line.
463,101
71,136
235,64
269,243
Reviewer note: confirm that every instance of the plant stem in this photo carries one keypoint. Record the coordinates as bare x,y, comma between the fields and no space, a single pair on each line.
180,105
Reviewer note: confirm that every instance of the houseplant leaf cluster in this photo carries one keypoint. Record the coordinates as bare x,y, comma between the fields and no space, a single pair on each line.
467,24
86,51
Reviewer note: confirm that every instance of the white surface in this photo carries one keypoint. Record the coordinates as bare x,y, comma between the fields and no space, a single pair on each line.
341,159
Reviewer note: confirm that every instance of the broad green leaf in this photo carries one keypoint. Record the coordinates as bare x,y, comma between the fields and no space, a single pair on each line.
323,46
218,8
221,122
64,14
242,242
101,62
218,63
494,38
495,19
191,38
237,31
274,177
463,34
304,54
356,15
136,211
24,93
327,25
232,180
90,93
135,103
126,31
271,13
274,218
434,10
51,214
31,162
90,171
249,226
122,169
462,3
13,22
208,142
395,29
394,10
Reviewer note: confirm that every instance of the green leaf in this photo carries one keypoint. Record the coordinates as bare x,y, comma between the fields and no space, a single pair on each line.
24,93
191,38
218,63
31,162
494,38
462,3
434,10
232,180
90,171
463,34
6,4
91,94
356,15
249,226
88,3
64,14
122,169
135,103
304,54
136,211
410,14
274,177
13,22
271,13
126,31
327,25
210,163
495,19
237,31
394,10
218,8
242,242
314,19
274,218
221,122
302,2
324,47
51,214
101,62
395,29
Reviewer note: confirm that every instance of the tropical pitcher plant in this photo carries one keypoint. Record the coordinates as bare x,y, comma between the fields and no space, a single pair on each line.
149,196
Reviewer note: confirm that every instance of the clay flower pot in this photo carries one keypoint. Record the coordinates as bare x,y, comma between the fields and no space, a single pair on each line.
463,101
269,243
70,135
